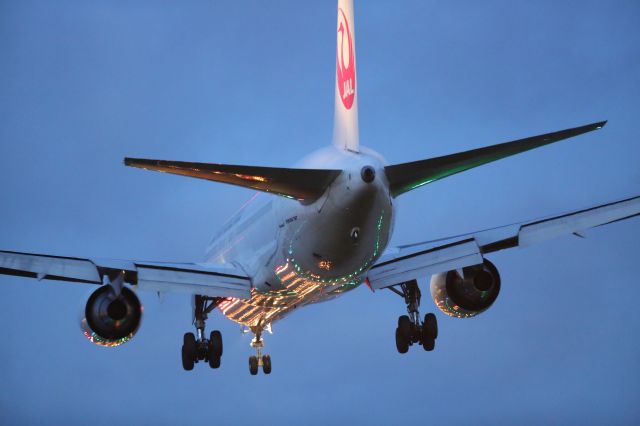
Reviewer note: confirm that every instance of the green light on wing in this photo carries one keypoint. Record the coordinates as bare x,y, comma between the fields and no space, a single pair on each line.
407,176
422,183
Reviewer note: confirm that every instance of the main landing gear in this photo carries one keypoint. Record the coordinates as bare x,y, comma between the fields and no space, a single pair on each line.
411,329
200,348
258,360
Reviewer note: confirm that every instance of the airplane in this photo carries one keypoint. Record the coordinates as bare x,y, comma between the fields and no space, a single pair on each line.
321,230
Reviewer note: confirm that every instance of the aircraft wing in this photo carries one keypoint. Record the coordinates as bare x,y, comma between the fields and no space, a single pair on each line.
193,278
404,263
300,184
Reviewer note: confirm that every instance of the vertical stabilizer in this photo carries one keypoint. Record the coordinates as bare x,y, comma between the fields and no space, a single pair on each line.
345,128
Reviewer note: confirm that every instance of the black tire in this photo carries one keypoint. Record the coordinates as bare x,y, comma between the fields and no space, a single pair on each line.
188,351
430,327
402,344
406,327
187,361
253,365
428,344
266,364
215,344
189,339
214,361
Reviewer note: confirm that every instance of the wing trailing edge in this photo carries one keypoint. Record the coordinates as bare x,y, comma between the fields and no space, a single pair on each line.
421,260
299,184
407,176
205,279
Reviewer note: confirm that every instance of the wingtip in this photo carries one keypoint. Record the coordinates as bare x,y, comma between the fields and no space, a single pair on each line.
132,162
601,124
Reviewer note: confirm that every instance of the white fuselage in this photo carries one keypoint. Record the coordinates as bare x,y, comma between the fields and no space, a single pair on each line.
298,253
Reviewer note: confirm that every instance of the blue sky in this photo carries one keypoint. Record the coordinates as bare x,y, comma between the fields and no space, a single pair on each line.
85,83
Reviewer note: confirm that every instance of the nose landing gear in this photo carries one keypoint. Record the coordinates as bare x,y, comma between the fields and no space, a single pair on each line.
411,329
259,360
200,348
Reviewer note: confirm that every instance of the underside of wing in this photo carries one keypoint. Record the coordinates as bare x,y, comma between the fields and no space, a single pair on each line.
198,279
407,176
409,262
299,184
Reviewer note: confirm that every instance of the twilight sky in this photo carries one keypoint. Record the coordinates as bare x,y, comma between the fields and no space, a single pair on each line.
85,83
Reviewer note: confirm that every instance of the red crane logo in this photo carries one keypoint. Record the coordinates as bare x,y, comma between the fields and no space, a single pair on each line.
346,70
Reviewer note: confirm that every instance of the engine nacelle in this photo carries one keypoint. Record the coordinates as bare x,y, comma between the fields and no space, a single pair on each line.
110,319
467,295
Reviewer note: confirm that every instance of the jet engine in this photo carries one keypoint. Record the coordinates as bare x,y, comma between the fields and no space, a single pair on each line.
111,318
469,294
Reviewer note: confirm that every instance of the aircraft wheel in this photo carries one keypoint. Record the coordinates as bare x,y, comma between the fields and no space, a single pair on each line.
214,361
428,344
405,327
266,364
253,365
215,344
187,359
402,344
188,351
430,327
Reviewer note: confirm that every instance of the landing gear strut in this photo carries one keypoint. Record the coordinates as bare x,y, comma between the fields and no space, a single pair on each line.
197,347
411,329
258,359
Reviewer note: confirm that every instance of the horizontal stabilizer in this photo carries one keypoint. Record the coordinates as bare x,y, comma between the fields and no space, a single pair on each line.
407,176
300,184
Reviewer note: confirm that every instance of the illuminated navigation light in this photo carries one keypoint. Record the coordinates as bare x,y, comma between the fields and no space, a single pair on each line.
282,268
250,177
288,276
94,338
228,304
419,184
325,264
295,282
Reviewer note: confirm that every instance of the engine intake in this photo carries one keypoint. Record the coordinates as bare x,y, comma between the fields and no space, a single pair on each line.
467,295
110,319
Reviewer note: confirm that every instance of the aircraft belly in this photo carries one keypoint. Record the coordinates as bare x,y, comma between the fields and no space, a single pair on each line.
313,252
267,308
